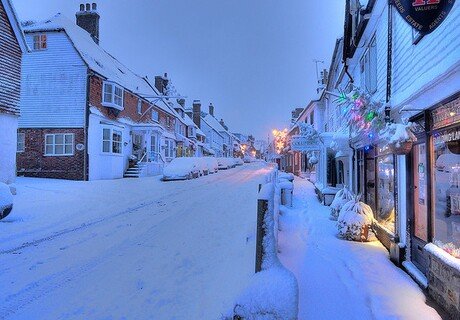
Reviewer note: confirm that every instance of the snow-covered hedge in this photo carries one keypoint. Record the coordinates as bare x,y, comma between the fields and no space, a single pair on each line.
273,292
341,198
269,296
6,200
355,221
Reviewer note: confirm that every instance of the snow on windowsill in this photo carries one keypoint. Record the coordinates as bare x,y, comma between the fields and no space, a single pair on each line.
443,256
112,105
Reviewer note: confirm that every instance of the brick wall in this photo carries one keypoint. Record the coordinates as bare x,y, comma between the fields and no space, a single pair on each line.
129,104
444,285
33,162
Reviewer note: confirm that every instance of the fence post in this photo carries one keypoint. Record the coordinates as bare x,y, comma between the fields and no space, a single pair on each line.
262,207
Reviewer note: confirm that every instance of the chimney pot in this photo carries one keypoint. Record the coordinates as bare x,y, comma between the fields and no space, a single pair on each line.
94,5
211,109
89,20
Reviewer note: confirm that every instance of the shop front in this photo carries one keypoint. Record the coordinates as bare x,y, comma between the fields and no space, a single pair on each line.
434,189
377,183
433,208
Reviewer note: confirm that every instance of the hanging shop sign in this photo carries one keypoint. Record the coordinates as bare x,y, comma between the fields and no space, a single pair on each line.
307,140
446,115
424,15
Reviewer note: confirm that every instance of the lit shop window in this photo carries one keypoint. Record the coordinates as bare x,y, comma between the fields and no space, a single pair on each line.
111,141
60,144
446,185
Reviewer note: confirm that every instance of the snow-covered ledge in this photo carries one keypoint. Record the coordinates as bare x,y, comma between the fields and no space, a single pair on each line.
444,279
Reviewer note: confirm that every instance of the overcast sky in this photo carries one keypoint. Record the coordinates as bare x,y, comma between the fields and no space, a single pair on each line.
252,58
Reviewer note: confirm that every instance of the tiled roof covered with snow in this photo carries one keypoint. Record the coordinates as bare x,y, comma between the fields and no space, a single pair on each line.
213,123
97,59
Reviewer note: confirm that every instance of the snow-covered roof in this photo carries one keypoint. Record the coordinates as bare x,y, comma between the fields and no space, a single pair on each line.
213,123
199,132
13,18
96,58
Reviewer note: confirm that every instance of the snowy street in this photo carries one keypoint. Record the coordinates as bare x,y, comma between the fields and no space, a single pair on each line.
129,248
339,279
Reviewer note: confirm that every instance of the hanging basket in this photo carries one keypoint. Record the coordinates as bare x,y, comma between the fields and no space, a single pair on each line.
401,148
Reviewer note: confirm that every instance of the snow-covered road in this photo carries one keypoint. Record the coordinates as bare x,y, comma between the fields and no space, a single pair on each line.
129,249
340,279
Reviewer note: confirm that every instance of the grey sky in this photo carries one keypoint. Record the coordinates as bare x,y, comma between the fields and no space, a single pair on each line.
252,58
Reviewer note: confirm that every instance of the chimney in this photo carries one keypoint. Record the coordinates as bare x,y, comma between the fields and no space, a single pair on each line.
196,116
211,109
88,19
161,82
222,123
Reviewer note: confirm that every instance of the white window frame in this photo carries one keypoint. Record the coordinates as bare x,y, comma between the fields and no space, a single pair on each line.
169,148
112,98
368,67
64,144
40,42
155,115
21,141
111,142
139,106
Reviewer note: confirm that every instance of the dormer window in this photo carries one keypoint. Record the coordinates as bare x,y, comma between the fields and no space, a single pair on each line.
112,96
40,42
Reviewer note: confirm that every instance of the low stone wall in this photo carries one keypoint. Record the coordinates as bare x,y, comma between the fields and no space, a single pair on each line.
444,284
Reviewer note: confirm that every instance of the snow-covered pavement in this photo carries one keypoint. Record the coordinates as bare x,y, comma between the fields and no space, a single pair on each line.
129,249
339,279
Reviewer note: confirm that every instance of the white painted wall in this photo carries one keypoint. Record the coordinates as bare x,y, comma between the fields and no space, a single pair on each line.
104,165
53,85
8,144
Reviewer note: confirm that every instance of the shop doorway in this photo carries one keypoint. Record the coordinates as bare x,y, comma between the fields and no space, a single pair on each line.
419,213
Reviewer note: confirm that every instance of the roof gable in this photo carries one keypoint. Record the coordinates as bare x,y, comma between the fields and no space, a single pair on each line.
12,17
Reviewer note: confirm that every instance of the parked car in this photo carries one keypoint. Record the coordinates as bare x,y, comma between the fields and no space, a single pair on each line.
247,159
181,169
212,163
202,165
225,163
6,200
239,161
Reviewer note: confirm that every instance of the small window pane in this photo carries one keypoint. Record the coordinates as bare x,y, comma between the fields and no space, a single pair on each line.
59,149
49,139
106,146
49,149
59,139
68,138
68,149
106,134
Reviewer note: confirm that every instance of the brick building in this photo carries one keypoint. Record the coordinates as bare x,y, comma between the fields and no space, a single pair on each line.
85,115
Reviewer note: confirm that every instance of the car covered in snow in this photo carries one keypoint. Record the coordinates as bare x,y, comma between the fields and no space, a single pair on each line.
212,163
6,200
239,161
225,163
202,165
247,159
181,169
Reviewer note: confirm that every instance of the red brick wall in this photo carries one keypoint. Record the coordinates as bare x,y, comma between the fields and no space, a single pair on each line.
33,162
10,66
129,104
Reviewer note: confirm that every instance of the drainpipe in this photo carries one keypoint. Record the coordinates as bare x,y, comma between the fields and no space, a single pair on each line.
390,49
85,129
